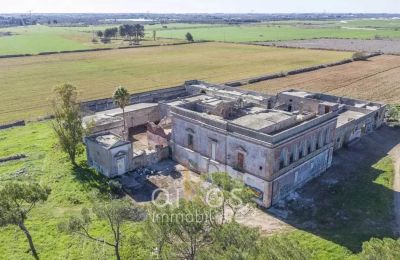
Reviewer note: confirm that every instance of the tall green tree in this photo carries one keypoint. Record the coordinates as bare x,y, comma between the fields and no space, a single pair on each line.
16,201
189,37
138,32
115,213
68,121
122,99
99,34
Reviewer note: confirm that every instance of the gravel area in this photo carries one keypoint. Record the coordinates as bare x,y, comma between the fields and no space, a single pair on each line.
385,46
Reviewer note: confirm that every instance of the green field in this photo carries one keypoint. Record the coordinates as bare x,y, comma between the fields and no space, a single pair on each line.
26,83
42,38
39,38
266,32
72,189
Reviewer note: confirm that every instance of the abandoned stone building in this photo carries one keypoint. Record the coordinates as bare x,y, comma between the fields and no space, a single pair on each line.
274,144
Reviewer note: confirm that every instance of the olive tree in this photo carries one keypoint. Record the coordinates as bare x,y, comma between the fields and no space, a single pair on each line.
16,201
115,213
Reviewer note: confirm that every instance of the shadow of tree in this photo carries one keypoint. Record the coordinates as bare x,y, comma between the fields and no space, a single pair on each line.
349,204
90,178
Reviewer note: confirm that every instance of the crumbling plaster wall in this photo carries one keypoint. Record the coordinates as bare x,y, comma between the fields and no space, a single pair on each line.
227,147
297,177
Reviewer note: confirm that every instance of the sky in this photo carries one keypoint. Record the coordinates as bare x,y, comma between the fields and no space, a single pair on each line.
200,6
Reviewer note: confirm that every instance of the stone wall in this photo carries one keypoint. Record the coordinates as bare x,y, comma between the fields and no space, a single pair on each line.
143,97
148,159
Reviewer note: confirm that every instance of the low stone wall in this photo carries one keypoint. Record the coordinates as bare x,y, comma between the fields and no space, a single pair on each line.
9,125
143,97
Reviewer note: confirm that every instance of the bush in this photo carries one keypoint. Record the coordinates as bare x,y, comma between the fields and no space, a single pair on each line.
115,188
360,56
394,113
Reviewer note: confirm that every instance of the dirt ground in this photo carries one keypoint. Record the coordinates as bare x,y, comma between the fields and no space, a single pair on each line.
385,46
376,79
169,179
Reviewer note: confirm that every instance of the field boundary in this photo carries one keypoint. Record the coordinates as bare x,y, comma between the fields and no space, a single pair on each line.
8,56
12,124
247,81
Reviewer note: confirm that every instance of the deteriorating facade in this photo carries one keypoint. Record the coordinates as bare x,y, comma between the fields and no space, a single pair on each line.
274,144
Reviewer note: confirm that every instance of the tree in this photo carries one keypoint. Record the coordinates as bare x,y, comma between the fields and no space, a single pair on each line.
185,230
115,213
99,34
233,241
111,32
127,31
154,35
68,122
233,194
122,98
138,32
189,37
16,201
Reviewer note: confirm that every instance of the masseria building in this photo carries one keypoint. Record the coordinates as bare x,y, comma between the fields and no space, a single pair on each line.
274,144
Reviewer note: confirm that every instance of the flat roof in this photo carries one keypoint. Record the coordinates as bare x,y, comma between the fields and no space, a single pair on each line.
131,108
108,140
348,116
101,119
261,120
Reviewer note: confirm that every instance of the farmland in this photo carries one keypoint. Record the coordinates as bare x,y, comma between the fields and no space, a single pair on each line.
268,32
42,38
376,79
36,39
26,83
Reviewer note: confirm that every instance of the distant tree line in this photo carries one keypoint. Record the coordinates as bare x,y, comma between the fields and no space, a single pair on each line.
131,32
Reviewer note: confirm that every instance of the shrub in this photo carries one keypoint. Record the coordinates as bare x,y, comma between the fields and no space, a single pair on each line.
360,56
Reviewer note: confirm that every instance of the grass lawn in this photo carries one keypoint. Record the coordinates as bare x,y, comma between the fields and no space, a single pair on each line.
353,210
71,188
27,83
